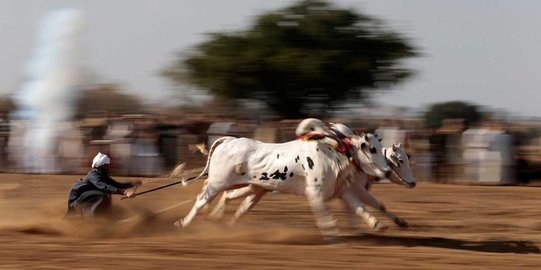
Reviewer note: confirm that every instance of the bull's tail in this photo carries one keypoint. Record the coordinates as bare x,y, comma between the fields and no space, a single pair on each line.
212,148
201,147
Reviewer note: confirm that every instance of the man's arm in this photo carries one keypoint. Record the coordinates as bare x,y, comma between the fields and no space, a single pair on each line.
102,185
121,185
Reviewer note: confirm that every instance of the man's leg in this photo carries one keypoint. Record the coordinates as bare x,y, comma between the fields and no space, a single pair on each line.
92,203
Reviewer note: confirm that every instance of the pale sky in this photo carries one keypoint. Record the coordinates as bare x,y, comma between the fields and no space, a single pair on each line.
484,51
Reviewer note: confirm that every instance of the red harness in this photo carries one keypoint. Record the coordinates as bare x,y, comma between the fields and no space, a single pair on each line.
311,136
343,146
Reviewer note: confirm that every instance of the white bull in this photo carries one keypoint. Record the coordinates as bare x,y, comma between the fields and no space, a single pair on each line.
395,156
400,173
311,168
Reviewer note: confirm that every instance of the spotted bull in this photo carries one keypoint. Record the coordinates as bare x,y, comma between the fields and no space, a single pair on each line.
312,168
395,156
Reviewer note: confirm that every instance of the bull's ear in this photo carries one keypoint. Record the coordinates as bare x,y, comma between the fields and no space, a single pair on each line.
366,137
379,140
394,147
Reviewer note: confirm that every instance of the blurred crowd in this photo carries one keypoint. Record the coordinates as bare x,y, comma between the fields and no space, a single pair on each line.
151,145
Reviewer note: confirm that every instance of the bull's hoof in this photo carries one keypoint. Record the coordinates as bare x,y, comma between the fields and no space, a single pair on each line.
178,224
231,222
213,218
380,227
335,240
401,223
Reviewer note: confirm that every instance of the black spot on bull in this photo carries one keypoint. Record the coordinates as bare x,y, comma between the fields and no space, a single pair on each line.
297,159
278,175
277,156
264,176
291,174
310,162
285,169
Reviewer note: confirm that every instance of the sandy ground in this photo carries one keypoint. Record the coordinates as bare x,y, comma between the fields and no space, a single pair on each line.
451,227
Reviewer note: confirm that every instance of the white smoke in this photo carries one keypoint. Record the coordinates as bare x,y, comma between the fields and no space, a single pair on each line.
53,78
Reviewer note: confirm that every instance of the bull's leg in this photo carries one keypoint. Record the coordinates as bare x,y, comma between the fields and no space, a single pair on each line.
206,195
358,208
324,220
368,199
219,210
352,218
248,203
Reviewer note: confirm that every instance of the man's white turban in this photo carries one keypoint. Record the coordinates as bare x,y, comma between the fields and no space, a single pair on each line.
99,160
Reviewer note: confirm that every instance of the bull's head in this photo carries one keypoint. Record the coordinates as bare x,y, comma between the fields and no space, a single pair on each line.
366,150
399,162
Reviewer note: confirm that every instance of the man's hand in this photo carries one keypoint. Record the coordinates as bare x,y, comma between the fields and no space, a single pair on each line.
137,183
130,192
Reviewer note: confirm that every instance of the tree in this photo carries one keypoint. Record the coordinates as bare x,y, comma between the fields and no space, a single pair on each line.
6,104
437,112
307,57
106,98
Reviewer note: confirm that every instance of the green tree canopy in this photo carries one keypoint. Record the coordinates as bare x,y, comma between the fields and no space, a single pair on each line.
309,56
6,104
437,112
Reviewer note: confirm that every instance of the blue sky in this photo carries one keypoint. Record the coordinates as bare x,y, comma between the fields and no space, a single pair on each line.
485,51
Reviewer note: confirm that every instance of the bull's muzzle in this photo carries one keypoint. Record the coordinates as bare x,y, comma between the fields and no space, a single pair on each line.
387,173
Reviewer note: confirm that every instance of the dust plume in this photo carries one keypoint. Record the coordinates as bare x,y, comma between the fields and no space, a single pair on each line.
47,97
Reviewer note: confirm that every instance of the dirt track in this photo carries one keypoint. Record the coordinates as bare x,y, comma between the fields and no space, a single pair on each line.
451,227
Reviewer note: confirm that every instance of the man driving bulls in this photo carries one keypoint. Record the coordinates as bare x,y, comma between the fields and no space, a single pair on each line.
91,195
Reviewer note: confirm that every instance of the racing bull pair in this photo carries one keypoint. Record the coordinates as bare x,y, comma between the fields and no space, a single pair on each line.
323,164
